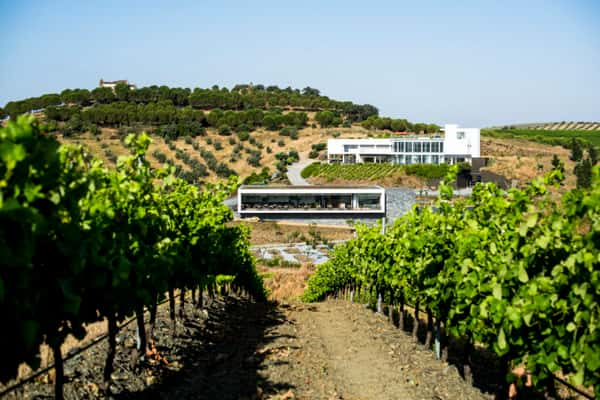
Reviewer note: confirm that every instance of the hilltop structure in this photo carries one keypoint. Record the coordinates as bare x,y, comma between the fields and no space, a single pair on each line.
456,145
113,84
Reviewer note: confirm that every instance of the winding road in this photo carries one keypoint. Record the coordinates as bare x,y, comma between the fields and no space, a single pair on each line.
295,170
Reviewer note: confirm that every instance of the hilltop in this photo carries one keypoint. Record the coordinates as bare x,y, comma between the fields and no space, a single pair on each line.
254,131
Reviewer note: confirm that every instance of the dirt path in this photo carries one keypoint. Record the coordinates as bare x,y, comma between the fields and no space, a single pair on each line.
338,350
240,350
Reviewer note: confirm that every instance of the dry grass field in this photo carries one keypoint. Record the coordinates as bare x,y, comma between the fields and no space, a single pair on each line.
267,232
524,160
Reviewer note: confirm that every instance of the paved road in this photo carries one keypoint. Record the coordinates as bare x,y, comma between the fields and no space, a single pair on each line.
295,169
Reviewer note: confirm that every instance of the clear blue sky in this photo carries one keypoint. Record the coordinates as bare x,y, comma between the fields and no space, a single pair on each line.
476,63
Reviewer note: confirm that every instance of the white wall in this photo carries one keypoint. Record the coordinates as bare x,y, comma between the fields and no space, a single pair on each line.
469,144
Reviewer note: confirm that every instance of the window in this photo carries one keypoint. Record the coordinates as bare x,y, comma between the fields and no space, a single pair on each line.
348,147
441,147
426,147
435,159
400,159
460,135
435,147
370,201
417,147
409,148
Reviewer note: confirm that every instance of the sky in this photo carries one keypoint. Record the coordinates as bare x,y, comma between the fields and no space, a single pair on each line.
476,63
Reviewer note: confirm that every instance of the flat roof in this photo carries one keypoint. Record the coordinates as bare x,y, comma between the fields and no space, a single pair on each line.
292,187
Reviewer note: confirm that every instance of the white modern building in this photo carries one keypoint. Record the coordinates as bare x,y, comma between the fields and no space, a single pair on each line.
454,145
318,201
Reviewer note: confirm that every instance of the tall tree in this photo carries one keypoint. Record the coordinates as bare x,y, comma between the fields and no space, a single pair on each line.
583,171
576,151
593,154
122,92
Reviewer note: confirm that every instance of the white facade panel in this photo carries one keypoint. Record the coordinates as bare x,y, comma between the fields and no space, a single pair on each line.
457,144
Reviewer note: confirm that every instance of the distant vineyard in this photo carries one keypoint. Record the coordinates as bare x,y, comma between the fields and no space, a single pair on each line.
559,137
560,126
372,171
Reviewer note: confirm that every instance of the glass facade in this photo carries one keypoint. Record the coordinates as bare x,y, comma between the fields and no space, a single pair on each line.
321,202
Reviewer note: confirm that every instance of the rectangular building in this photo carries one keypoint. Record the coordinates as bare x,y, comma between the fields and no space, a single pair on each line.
313,201
455,145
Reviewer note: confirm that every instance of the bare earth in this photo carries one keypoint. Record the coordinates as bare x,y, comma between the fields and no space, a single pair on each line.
339,350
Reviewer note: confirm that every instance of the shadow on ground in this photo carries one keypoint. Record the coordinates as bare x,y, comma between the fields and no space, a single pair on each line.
220,358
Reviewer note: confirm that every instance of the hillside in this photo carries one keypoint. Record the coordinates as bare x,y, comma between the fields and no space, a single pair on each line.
256,131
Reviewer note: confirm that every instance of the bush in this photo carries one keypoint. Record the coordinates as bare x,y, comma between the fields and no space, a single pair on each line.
313,154
209,141
243,136
288,131
281,143
188,140
224,130
243,128
218,145
232,140
269,150
223,171
319,146
254,159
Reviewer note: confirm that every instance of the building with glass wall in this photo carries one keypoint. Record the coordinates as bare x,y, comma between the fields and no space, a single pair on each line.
455,145
329,201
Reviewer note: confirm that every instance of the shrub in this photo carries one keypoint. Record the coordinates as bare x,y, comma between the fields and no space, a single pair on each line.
218,145
289,131
224,130
313,154
232,140
209,141
188,140
243,128
269,150
243,136
254,159
281,143
223,171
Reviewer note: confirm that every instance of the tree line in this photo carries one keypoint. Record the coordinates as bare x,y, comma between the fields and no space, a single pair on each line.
398,125
240,97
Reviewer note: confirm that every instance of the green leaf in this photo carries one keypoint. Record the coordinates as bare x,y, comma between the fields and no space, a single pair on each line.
497,291
523,277
502,340
532,220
